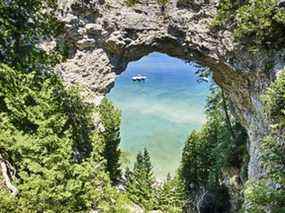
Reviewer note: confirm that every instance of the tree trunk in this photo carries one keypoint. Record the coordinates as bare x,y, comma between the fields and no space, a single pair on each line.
5,169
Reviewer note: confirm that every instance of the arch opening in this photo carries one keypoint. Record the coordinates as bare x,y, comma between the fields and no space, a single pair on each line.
160,112
117,35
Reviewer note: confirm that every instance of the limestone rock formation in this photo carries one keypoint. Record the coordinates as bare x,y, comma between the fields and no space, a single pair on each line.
103,36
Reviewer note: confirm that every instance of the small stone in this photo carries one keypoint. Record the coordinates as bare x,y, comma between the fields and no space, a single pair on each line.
85,43
93,28
70,19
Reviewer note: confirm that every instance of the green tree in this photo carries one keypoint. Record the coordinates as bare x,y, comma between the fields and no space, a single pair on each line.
51,156
218,146
140,182
195,162
260,21
23,23
111,119
171,195
47,136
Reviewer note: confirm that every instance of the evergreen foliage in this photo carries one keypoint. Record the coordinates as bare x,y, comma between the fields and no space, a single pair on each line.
195,161
111,119
219,145
22,24
274,102
259,21
52,158
171,195
141,189
140,182
46,134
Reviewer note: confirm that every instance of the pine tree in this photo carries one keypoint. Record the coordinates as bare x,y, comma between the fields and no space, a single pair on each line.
47,136
171,195
195,162
147,166
52,158
141,180
111,119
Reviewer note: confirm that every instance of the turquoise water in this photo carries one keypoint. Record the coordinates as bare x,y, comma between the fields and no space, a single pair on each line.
159,113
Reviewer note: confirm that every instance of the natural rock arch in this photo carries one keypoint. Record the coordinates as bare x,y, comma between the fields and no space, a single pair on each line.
105,35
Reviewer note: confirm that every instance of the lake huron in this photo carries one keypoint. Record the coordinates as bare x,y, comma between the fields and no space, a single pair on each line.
160,112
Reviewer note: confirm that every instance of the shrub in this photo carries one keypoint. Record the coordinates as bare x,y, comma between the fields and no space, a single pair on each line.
131,3
274,102
259,21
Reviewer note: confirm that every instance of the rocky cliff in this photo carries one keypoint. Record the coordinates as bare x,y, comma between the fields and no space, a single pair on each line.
103,36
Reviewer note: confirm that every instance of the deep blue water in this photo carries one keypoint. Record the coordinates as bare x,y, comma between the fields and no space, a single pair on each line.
161,112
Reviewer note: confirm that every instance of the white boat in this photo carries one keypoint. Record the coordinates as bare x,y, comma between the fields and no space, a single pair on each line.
139,77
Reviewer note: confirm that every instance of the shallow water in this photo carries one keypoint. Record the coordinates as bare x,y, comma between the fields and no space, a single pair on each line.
161,112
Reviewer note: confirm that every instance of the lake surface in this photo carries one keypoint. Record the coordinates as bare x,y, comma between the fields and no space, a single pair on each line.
161,112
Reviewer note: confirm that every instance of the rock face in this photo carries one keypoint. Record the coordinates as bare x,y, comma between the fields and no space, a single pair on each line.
103,36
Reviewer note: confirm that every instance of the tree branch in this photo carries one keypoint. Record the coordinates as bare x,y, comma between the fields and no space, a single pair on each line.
228,120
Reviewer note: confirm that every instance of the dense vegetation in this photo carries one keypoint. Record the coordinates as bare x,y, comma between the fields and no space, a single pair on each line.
22,26
210,154
254,22
111,119
52,157
144,190
140,182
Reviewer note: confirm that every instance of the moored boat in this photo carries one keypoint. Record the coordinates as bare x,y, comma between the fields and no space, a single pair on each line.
139,77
